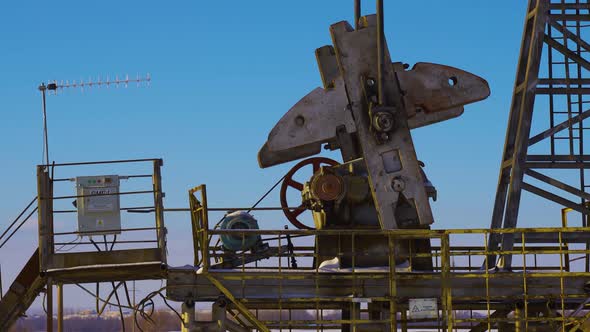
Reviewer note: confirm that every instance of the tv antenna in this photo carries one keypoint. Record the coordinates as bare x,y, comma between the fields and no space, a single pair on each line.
55,87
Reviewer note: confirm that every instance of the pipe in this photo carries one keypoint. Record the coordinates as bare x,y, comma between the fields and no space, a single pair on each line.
380,51
60,307
357,13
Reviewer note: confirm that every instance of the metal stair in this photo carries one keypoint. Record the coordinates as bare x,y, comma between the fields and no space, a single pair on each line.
21,294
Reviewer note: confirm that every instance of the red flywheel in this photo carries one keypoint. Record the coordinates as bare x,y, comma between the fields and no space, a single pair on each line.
312,164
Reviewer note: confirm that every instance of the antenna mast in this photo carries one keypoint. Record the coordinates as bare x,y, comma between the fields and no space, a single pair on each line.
55,87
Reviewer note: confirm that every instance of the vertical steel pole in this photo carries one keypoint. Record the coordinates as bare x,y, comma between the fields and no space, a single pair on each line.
1,290
357,13
188,316
380,50
49,296
346,314
45,217
355,315
404,319
517,318
159,208
43,88
587,254
392,283
205,233
60,307
133,325
447,301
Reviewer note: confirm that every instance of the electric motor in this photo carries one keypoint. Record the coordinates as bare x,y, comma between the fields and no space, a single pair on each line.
240,241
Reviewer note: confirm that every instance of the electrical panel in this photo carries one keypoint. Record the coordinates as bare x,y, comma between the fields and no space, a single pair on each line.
98,204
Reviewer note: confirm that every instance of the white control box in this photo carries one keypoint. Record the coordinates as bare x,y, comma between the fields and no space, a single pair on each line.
98,204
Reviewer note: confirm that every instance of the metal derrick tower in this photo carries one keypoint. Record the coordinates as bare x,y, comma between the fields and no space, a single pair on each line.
555,34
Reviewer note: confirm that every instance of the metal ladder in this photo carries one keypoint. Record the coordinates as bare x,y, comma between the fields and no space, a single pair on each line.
28,284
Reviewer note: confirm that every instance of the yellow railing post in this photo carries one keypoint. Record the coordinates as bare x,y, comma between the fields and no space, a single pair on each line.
487,279
392,285
205,230
60,307
524,282
159,208
200,226
446,274
518,318
45,217
49,297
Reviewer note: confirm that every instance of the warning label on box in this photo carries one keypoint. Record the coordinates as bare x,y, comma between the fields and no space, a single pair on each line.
423,308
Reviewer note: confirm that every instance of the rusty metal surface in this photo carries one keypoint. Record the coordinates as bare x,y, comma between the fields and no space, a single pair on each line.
539,294
315,119
467,288
366,108
555,32
310,123
394,159
368,102
142,271
434,88
434,93
113,258
21,294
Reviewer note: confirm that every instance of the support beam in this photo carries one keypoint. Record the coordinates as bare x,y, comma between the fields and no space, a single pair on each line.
558,165
554,198
570,6
570,17
49,298
569,34
567,52
485,326
188,316
557,128
558,184
564,81
404,320
518,319
60,307
557,157
239,306
346,314
563,91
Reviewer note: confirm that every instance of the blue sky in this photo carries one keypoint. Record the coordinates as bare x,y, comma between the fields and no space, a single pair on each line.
223,73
